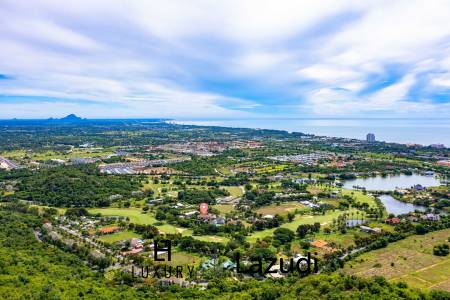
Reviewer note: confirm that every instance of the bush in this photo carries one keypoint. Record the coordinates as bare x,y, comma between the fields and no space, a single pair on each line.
441,250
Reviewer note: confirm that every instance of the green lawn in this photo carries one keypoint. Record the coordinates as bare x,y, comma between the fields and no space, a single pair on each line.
136,215
212,238
224,208
235,191
171,229
360,197
119,236
47,155
282,209
61,211
300,219
343,240
180,258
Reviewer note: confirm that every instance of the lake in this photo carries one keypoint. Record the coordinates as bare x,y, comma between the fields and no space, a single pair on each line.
390,183
396,207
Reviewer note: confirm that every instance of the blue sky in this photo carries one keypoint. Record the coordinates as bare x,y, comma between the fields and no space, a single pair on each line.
224,59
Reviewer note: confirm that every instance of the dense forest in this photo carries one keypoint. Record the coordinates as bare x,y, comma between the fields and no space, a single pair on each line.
30,269
80,186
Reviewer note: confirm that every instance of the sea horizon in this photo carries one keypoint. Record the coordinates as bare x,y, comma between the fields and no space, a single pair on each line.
402,130
423,131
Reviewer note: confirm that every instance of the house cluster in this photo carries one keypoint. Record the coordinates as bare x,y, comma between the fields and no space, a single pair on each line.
136,246
196,148
445,163
305,159
245,145
305,181
211,219
309,204
138,166
413,217
56,236
7,164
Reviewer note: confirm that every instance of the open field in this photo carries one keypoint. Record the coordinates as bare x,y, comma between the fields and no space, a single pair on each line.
135,215
319,188
343,240
271,169
47,155
211,238
180,258
224,208
410,260
171,229
300,219
119,236
235,191
360,197
60,210
224,170
282,209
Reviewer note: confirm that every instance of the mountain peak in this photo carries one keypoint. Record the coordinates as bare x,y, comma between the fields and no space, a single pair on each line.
71,117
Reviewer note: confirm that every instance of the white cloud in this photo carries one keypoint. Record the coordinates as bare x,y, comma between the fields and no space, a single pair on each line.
178,58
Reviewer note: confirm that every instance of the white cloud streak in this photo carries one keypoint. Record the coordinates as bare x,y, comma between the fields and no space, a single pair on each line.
224,58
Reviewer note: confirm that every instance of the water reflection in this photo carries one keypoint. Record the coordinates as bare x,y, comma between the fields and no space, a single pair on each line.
390,183
396,207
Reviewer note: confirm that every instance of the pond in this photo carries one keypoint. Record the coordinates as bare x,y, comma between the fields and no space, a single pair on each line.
396,207
390,183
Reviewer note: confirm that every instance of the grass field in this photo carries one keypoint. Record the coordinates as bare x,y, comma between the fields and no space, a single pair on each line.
360,197
299,219
61,211
343,240
180,258
410,260
235,191
119,236
212,238
42,156
224,170
135,215
271,169
282,209
224,208
170,229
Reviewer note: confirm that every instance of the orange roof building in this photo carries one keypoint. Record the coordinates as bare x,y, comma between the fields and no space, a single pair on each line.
393,221
106,230
321,244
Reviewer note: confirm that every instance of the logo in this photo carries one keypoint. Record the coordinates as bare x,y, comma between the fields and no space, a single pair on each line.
302,264
204,208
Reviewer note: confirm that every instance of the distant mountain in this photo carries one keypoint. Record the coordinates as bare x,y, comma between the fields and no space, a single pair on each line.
71,118
75,120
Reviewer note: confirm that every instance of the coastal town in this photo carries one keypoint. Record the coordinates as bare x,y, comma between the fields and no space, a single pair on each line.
267,195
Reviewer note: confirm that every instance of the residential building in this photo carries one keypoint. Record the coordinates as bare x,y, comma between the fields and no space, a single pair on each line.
370,138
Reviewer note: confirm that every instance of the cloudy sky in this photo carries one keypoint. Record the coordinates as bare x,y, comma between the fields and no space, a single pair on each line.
224,59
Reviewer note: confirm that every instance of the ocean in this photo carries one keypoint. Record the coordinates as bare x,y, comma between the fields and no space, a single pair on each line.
417,131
